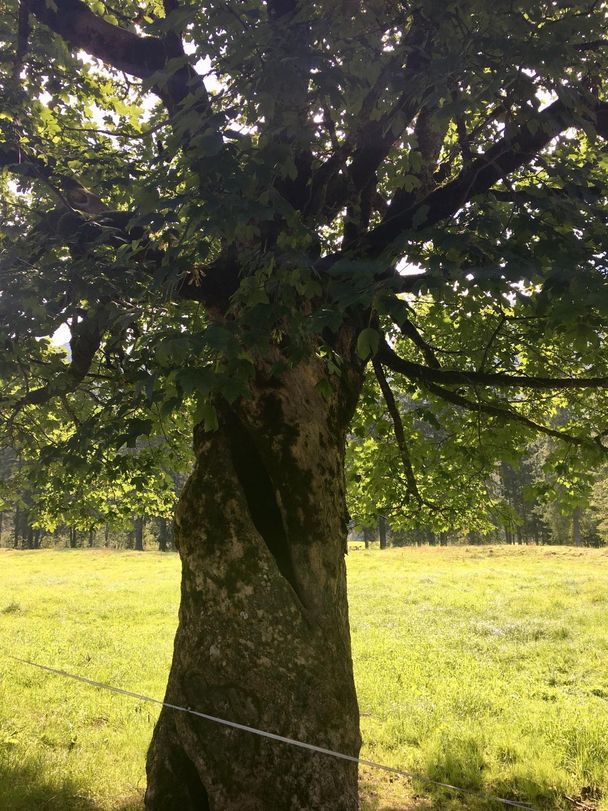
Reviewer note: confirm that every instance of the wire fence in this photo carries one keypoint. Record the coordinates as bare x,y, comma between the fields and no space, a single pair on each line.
274,737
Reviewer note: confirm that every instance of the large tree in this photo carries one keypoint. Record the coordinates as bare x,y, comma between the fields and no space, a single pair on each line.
219,200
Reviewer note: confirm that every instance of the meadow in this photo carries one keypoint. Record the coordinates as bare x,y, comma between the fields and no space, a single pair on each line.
485,667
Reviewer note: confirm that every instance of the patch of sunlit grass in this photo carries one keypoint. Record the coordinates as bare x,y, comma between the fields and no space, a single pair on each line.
482,667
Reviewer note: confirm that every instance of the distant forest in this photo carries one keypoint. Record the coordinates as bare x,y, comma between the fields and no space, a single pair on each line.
521,503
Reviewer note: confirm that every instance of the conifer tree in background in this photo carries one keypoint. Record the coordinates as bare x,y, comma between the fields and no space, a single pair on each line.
218,200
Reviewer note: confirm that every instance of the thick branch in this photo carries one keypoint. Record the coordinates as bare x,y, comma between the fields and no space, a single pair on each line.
519,146
409,330
288,56
86,340
281,8
23,34
20,162
79,26
454,377
509,415
121,49
212,285
371,142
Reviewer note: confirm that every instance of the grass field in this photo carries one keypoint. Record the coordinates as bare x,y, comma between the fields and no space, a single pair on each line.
483,667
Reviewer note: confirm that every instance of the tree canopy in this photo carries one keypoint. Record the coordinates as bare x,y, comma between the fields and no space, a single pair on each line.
282,165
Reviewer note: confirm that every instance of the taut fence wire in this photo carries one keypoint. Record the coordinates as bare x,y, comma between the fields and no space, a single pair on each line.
273,736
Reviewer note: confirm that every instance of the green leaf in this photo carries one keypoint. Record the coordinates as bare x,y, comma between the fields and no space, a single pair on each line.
368,343
324,388
420,216
411,182
207,415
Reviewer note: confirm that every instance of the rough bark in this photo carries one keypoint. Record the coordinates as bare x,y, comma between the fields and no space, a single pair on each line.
263,636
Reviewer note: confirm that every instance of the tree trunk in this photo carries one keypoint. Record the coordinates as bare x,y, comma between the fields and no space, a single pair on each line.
367,536
576,527
382,531
263,636
163,534
16,527
138,534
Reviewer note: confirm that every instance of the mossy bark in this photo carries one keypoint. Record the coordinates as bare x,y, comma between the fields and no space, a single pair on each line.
263,636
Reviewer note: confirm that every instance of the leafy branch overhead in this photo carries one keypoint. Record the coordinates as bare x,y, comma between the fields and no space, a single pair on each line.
198,192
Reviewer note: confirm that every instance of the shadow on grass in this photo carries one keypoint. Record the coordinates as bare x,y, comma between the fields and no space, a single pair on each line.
382,792
24,787
136,804
379,791
375,796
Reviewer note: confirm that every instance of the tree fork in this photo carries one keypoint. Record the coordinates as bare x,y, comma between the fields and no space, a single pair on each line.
263,636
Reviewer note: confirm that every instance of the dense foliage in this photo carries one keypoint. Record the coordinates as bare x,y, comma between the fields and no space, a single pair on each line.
328,144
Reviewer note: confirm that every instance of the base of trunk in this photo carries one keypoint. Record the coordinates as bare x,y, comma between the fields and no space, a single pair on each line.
273,781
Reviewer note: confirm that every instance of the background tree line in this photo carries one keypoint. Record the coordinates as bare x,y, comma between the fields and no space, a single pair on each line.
519,514
50,507
528,500
422,481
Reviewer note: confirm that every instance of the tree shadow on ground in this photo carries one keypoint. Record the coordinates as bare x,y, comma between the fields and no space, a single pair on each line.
24,787
134,804
380,791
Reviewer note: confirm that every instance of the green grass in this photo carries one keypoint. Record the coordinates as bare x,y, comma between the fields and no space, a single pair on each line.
483,667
